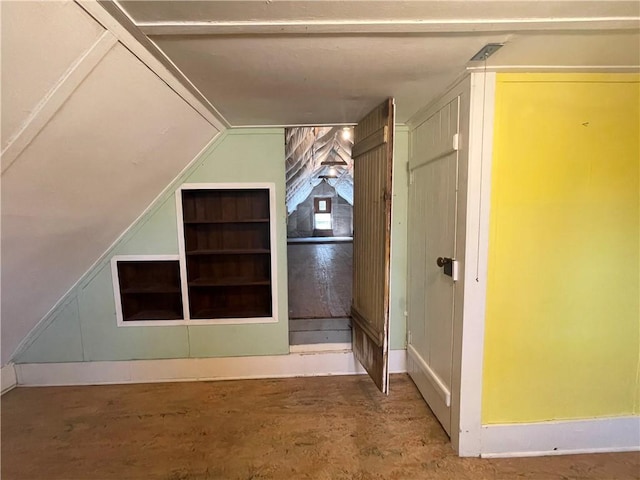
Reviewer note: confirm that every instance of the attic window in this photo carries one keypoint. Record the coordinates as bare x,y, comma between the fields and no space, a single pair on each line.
322,205
322,213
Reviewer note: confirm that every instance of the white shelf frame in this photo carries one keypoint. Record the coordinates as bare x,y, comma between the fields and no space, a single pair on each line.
271,187
118,299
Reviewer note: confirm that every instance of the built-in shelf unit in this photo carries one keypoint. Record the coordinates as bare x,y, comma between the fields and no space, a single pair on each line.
227,245
224,270
147,289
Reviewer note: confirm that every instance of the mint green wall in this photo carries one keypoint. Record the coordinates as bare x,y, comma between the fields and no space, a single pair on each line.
83,327
59,340
158,234
398,288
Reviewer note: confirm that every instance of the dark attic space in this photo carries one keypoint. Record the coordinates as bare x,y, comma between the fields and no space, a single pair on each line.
319,179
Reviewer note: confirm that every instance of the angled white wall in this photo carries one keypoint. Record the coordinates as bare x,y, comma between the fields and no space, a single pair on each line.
30,68
90,136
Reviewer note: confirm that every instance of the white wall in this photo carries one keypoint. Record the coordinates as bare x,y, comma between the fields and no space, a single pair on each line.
90,136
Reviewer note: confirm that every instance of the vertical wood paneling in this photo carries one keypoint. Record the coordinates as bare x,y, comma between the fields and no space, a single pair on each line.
432,216
372,240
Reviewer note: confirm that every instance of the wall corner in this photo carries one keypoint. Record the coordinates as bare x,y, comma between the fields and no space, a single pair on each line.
8,376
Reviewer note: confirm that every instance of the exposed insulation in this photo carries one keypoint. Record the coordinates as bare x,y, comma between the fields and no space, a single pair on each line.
306,148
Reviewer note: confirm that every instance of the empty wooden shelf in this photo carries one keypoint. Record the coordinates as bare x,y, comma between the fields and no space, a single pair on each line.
227,247
149,290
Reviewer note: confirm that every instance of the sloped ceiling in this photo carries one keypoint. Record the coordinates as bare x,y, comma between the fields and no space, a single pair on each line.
90,136
310,154
329,62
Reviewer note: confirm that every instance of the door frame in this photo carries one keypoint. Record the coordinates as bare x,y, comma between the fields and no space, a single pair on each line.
477,99
320,348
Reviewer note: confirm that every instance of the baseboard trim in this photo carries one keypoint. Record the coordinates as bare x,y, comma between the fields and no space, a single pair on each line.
198,369
320,347
615,434
8,378
438,385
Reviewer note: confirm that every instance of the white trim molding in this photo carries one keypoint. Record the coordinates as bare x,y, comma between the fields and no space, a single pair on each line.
397,26
481,120
614,434
118,299
320,347
556,68
439,386
274,318
111,16
198,369
57,97
8,378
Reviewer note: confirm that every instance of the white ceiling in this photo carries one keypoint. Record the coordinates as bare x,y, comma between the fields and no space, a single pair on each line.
329,62
315,80
333,10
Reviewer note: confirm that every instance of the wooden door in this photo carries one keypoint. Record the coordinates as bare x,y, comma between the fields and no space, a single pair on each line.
432,258
373,159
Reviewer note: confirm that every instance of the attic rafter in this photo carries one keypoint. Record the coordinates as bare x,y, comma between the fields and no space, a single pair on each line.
301,166
307,151
294,153
326,143
298,161
295,137
296,182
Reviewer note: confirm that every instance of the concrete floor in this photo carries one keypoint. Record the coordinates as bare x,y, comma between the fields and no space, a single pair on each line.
305,428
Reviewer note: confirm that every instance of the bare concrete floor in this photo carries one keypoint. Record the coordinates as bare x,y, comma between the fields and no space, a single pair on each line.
305,428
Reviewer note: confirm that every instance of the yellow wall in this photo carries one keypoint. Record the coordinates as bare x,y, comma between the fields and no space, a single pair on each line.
563,316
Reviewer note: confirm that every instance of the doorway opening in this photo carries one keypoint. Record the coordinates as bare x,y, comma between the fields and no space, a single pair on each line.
319,197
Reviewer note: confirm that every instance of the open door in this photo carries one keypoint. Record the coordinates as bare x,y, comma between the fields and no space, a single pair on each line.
373,160
432,258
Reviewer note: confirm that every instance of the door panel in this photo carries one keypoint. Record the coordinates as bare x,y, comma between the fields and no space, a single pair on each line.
439,212
432,234
373,159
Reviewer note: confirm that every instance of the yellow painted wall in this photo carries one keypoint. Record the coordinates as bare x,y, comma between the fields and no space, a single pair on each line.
562,332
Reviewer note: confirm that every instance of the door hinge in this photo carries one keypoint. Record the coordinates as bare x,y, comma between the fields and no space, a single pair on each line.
456,141
409,337
411,178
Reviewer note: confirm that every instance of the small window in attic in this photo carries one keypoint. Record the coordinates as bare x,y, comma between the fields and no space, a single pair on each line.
322,213
322,205
322,221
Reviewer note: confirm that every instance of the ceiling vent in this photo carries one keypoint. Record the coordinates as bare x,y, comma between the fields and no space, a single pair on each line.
486,51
